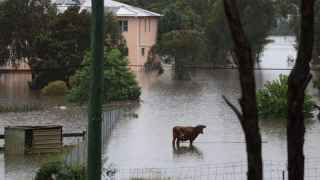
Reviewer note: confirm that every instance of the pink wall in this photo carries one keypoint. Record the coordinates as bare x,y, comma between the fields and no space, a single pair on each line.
142,33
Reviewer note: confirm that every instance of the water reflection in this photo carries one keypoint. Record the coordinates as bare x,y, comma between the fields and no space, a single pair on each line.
182,151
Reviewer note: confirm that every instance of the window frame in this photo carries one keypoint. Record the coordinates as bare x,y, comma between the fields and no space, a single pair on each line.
123,25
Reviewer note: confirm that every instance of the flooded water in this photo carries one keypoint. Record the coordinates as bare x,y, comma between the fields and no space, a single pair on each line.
145,141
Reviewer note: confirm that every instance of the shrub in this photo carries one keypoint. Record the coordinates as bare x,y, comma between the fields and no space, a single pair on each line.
60,171
119,82
272,99
55,88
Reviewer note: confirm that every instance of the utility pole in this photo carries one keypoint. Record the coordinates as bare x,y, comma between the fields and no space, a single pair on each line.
96,90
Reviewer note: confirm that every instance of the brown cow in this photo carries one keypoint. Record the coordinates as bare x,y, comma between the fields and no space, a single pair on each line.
185,133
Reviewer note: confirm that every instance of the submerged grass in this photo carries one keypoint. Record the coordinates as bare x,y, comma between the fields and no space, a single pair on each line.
21,107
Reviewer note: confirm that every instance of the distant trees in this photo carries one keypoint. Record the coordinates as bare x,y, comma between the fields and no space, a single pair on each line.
52,44
290,9
206,21
20,22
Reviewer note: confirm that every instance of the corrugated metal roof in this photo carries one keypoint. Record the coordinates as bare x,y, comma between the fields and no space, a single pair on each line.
66,2
121,9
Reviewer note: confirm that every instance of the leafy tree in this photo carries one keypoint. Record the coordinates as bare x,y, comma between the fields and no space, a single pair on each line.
58,51
272,99
184,47
119,82
20,22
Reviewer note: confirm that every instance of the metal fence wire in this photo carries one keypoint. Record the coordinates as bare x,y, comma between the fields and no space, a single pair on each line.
230,171
78,154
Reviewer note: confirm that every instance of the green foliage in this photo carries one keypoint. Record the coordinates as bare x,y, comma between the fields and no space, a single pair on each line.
55,88
182,45
21,21
60,47
60,171
203,23
119,82
53,43
272,99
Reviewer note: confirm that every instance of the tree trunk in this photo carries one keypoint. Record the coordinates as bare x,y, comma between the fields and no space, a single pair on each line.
297,83
249,115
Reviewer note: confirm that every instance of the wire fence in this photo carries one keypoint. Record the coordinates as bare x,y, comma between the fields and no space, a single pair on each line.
229,171
78,154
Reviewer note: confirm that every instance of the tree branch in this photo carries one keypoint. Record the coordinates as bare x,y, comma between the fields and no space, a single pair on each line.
307,81
234,108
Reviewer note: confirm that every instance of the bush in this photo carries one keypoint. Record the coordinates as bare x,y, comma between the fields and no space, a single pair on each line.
55,88
60,171
119,82
272,99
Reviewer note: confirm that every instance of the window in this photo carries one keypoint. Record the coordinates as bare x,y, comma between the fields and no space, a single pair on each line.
123,24
142,51
145,24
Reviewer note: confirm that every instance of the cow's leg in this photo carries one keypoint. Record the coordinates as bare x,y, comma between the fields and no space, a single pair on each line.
178,143
191,142
174,140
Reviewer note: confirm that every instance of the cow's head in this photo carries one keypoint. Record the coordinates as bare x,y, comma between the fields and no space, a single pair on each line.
200,128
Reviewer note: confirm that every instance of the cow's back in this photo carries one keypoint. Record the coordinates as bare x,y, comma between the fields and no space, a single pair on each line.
183,130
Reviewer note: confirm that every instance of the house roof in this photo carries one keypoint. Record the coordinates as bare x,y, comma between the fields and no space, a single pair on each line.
119,9
63,5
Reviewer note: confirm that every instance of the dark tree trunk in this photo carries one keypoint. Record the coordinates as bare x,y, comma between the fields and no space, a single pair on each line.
249,115
297,83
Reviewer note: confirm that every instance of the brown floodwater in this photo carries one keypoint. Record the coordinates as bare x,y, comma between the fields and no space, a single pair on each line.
145,140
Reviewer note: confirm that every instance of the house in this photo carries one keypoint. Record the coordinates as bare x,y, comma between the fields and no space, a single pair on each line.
138,26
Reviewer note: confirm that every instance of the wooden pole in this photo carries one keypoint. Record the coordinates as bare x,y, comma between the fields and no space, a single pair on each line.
95,94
